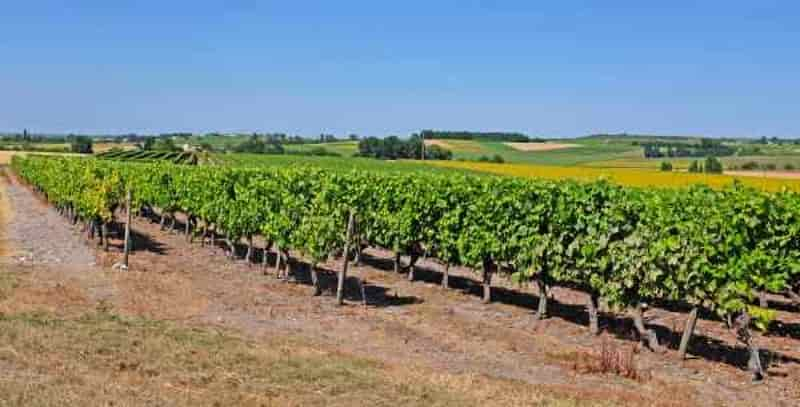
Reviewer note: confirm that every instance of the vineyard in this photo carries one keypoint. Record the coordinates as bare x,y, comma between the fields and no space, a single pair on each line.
174,157
713,250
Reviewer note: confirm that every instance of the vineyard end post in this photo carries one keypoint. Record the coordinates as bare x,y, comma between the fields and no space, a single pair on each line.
343,272
128,217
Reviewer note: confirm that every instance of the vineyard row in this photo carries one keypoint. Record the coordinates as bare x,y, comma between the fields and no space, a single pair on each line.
713,249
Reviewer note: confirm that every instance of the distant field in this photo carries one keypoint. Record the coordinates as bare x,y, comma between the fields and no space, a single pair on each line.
54,147
336,163
623,176
103,147
343,148
5,156
637,161
573,152
459,147
547,146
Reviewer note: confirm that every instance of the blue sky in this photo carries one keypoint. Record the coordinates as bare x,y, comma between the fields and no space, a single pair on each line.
566,68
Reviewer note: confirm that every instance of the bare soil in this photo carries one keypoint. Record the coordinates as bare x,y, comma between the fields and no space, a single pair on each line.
407,325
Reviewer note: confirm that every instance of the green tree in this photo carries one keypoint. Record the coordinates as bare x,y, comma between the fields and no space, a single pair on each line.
713,165
81,144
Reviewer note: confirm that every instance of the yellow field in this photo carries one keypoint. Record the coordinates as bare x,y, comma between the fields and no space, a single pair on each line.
623,176
457,146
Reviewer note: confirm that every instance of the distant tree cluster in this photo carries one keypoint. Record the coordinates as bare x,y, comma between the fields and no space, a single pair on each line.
475,135
712,166
393,148
257,145
497,159
755,166
779,141
175,135
159,144
707,147
80,144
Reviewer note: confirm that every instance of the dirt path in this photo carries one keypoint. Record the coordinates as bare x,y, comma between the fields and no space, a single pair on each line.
37,235
407,323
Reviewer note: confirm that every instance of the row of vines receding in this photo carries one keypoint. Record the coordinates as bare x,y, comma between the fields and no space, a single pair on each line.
711,249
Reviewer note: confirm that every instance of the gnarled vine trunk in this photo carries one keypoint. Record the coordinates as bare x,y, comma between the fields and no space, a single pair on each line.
688,331
287,260
104,237
593,305
742,327
541,284
359,248
397,262
187,228
762,299
248,256
412,264
488,269
647,336
315,280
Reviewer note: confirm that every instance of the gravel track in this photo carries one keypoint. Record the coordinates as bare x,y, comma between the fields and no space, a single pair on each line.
35,234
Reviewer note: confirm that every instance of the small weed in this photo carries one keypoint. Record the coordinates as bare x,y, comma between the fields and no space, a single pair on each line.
620,361
8,282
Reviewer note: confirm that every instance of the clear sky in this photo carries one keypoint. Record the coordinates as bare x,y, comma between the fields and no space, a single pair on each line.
549,68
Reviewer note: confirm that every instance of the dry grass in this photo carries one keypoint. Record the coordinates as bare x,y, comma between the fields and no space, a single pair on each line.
620,361
158,295
57,348
8,282
104,359
610,359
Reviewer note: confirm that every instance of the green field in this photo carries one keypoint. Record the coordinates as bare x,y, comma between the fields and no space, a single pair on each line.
343,148
616,152
587,150
351,163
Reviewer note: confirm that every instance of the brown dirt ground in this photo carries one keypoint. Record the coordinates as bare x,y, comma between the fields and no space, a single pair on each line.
540,146
415,324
